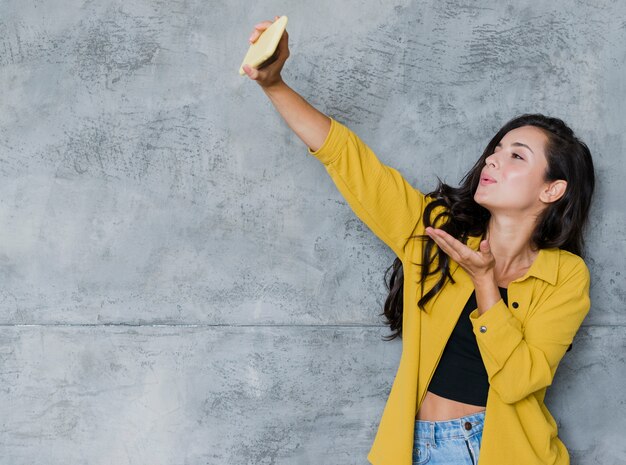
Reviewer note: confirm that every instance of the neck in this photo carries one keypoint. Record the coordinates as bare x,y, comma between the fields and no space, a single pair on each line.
509,240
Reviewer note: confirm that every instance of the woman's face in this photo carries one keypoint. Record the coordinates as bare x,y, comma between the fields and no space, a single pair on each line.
512,179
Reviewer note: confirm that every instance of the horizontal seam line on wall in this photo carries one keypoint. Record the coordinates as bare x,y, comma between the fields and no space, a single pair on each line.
208,325
199,325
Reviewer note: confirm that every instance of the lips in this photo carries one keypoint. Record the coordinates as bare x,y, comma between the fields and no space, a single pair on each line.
486,179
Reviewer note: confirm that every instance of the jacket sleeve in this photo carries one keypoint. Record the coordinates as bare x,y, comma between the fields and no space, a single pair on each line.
378,194
520,361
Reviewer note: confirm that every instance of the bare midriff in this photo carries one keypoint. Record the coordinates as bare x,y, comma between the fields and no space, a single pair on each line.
437,408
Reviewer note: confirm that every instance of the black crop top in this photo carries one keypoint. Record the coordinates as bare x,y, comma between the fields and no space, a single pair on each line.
460,374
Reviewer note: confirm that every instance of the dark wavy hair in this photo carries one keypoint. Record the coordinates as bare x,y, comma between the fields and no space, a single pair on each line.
560,224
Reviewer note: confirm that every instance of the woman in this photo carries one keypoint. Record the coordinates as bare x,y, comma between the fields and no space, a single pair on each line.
495,291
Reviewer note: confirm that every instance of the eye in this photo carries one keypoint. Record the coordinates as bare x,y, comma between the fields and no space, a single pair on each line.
516,155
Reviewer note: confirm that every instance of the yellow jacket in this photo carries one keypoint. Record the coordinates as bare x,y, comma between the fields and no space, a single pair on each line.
521,346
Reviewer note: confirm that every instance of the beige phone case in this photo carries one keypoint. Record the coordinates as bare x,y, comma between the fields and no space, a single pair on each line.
265,45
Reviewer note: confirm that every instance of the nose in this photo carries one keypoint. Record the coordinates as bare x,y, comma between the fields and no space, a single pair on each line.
490,161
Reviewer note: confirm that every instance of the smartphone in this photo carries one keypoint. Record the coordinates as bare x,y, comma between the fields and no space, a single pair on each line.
265,45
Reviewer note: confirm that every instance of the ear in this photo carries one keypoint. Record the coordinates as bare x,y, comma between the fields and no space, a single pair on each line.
553,191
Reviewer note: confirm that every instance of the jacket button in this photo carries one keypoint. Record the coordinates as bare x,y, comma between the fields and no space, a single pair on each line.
468,425
483,329
515,304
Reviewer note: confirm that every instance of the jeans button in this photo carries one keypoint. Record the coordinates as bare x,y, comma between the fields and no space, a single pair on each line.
468,425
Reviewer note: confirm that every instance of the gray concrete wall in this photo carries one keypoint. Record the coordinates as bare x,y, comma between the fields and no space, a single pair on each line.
181,283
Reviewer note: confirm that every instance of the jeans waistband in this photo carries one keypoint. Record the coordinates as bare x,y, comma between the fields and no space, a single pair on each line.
462,427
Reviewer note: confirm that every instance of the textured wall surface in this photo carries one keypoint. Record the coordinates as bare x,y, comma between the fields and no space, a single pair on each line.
181,283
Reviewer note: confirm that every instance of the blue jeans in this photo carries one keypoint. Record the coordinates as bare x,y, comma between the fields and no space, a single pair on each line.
448,442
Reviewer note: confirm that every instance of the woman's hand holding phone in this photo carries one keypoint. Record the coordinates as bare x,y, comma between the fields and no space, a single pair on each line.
268,73
309,124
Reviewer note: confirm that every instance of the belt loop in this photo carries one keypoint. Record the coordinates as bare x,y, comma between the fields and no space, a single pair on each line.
432,433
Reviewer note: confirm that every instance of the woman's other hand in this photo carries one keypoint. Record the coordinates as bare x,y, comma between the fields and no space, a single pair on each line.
479,264
268,73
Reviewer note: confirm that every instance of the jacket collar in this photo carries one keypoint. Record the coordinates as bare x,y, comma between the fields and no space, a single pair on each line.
545,266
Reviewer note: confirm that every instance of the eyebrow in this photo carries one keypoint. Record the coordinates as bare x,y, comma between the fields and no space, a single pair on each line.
518,144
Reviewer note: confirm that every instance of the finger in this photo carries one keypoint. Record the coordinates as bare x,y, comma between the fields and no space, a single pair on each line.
251,72
450,250
258,29
450,241
443,245
458,251
484,247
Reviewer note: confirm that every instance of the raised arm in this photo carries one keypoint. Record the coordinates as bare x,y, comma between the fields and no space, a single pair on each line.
306,121
378,194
